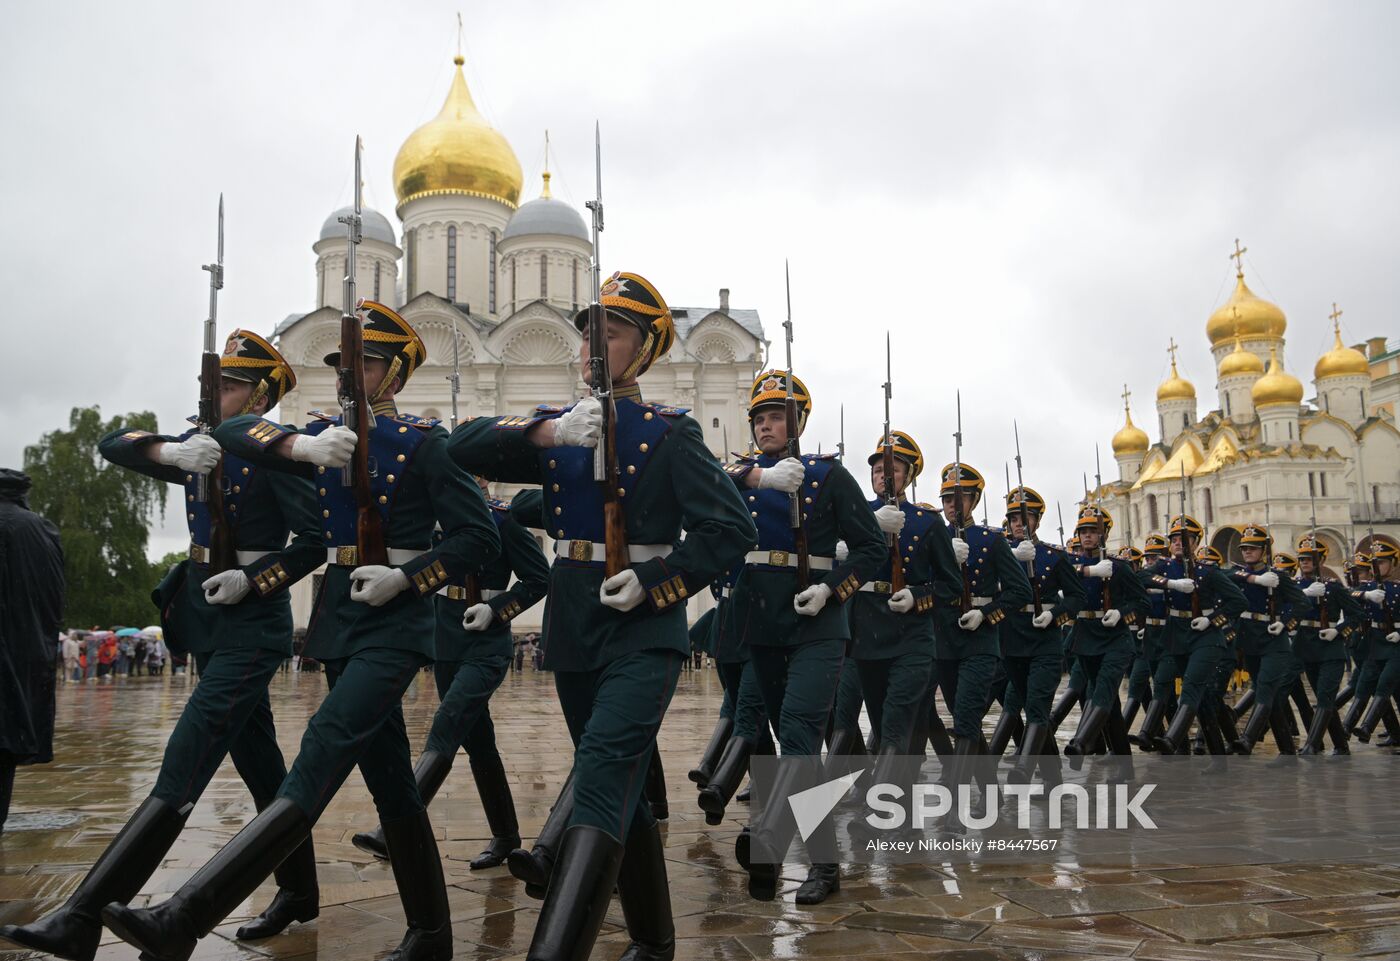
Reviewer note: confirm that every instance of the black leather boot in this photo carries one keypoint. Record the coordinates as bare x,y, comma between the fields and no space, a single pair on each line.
499,806
1091,725
700,774
73,931
1225,721
646,897
1174,740
1211,735
846,742
655,787
1283,734
1299,695
728,775
1130,711
579,891
298,897
1338,735
1116,733
778,827
823,880
1028,754
1151,723
1353,716
1312,744
1008,726
1062,707
1362,732
1244,704
413,853
170,931
430,771
1254,728
534,866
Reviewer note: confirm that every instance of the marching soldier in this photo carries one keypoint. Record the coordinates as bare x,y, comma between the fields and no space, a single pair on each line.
1140,673
1032,646
472,657
615,644
1160,696
372,629
1382,599
1203,602
994,584
1101,639
797,633
1319,644
892,631
237,624
1263,637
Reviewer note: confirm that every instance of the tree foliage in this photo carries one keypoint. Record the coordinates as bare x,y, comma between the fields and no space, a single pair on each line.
104,513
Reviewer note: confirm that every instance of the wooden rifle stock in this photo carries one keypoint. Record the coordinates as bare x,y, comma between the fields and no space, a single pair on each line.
615,555
1030,565
369,525
897,583
222,556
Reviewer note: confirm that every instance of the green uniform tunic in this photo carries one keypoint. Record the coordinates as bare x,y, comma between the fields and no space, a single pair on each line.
1324,661
1034,657
1194,655
615,671
371,654
1268,657
1106,652
1380,671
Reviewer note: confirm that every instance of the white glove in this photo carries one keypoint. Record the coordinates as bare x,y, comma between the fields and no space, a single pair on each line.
1275,628
478,617
1266,579
198,455
842,552
375,584
1376,595
1142,633
1024,551
1328,634
1043,619
1182,585
812,600
1200,623
890,518
1316,589
622,592
228,587
786,476
960,550
1393,637
902,601
581,425
971,621
333,447
1103,568
1111,617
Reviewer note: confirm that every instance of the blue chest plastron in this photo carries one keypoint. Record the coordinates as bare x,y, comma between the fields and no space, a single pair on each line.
392,444
235,480
770,508
918,521
982,577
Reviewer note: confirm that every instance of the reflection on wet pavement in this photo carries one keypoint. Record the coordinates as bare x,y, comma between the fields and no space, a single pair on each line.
111,736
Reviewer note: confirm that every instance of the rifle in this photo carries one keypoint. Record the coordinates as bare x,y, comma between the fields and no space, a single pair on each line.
605,469
1188,551
209,488
887,464
454,379
841,444
1025,516
355,410
965,602
1269,551
1061,515
794,449
1103,528
1317,560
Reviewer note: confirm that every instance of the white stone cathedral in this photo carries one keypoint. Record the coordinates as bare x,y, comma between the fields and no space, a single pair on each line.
1264,455
471,264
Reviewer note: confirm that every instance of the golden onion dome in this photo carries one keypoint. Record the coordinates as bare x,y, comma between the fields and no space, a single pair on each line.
1256,317
1175,387
1240,361
457,152
1277,386
1341,361
1130,439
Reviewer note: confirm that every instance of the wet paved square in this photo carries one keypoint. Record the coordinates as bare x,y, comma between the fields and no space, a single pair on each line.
111,736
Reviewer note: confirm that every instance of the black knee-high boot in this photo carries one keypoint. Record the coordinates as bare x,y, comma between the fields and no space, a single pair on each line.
655,789
733,764
1175,738
413,853
645,894
1151,724
579,891
298,897
534,866
430,772
1322,718
1254,728
499,806
724,729
1009,725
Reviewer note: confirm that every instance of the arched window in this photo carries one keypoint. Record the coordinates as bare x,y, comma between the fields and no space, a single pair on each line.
377,265
411,262
575,291
491,275
452,265
544,277
1152,510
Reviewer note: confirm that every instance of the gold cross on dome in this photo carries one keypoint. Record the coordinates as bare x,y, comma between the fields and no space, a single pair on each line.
1335,317
1172,349
1238,257
1125,395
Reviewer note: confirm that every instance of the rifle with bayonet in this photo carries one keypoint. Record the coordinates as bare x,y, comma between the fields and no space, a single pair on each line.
841,443
1269,550
1188,551
355,410
471,584
965,603
794,449
1103,528
887,465
605,466
1322,621
209,487
1025,517
1059,512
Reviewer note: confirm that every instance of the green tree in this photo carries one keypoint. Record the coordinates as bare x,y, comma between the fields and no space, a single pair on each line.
104,514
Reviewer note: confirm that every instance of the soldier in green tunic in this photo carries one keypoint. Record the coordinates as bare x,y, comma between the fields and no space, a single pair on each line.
966,632
1160,696
372,629
1319,644
471,659
797,633
615,643
1140,673
1031,644
1381,673
1202,603
1101,640
237,623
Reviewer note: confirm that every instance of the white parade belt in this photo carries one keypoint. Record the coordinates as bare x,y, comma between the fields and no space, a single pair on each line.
1205,612
349,556
587,551
1085,615
1155,621
456,592
788,559
200,555
1251,616
877,587
1317,624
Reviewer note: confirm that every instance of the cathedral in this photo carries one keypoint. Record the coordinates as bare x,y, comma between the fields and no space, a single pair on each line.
492,284
1264,455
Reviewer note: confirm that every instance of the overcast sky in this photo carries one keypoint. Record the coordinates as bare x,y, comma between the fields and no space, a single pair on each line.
1031,197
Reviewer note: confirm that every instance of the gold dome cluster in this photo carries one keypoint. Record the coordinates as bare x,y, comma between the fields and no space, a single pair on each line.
1240,361
1341,361
457,152
1277,386
1130,439
1256,318
1175,387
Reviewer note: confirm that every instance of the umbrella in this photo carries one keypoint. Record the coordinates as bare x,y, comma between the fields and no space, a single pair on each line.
128,632
152,631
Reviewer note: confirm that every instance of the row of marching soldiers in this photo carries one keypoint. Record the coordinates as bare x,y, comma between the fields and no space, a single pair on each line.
803,637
